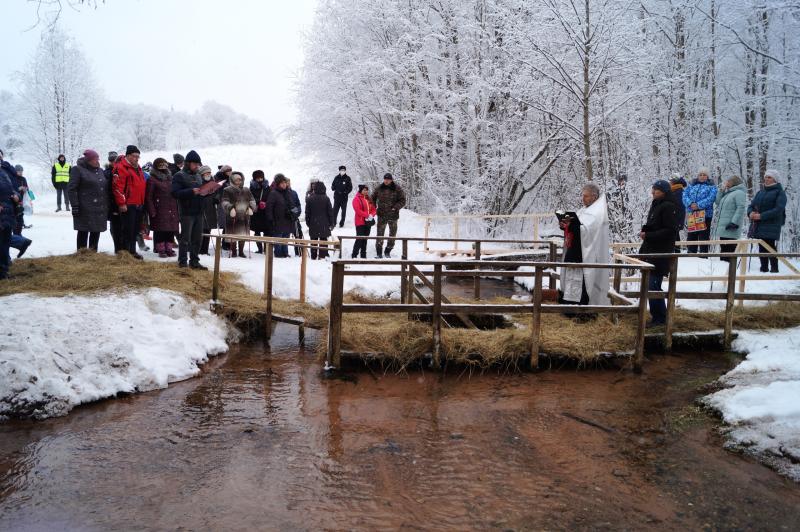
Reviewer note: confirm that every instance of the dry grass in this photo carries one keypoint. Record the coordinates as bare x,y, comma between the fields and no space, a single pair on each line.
398,340
87,272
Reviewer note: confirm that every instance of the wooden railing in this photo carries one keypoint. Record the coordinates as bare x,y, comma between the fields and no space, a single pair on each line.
458,218
438,304
477,243
672,294
269,253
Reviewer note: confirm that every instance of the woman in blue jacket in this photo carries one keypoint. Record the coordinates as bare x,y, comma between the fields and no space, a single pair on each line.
767,213
700,196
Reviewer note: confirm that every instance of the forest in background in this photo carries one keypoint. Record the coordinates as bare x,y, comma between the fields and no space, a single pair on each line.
508,106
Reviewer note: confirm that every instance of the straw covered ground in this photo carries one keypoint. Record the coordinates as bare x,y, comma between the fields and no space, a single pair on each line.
398,340
87,272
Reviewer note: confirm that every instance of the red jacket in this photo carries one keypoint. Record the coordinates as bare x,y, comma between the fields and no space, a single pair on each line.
128,184
363,207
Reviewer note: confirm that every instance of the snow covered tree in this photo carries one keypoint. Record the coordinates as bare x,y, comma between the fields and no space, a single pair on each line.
60,99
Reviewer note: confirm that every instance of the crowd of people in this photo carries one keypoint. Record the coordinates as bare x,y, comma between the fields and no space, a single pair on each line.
675,206
181,201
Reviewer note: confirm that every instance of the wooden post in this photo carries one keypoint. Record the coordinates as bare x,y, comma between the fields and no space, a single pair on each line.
404,273
303,267
333,360
436,315
638,354
552,253
217,254
536,318
742,270
427,230
455,231
477,279
673,285
729,301
616,285
268,289
535,227
341,247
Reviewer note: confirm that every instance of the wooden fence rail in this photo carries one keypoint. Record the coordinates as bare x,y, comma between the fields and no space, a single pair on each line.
437,306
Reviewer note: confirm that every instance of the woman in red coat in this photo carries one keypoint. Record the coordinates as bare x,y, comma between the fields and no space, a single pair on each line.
162,208
365,219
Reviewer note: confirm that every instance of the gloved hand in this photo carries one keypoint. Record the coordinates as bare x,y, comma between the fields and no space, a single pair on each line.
262,205
233,213
249,211
731,227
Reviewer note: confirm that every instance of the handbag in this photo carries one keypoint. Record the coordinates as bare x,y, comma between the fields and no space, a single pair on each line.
369,222
696,221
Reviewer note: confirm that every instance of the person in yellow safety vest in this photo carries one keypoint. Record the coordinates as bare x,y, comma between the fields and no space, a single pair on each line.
59,174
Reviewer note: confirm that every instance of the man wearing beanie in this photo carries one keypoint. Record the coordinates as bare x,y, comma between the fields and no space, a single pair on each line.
342,186
115,226
388,199
129,190
658,235
177,164
186,189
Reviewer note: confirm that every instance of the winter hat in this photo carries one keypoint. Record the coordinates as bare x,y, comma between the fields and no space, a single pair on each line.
772,173
662,185
279,178
204,170
148,166
387,175
177,158
239,175
192,157
704,170
19,168
343,167
361,187
258,174
91,155
131,149
159,161
319,188
225,168
112,156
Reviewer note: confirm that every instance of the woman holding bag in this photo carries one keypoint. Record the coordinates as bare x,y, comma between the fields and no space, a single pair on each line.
365,219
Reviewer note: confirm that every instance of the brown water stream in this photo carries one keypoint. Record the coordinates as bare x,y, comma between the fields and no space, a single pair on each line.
263,441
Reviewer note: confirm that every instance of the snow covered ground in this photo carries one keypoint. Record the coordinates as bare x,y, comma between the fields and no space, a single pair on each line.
761,401
65,351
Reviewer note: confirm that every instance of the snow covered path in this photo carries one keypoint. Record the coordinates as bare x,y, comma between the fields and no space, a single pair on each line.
761,401
65,351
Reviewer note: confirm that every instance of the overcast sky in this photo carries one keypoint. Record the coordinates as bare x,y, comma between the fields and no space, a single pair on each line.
172,53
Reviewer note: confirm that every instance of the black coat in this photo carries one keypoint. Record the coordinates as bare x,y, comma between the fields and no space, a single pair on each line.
88,197
183,183
660,232
342,185
260,192
278,217
113,210
319,213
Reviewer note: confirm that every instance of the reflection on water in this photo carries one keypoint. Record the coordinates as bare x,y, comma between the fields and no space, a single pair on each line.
263,441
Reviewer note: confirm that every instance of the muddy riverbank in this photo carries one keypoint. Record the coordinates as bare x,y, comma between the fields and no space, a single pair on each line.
262,440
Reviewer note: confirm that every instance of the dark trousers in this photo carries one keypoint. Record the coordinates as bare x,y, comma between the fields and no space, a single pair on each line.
19,225
700,235
318,252
382,229
260,245
727,248
190,239
61,188
205,243
297,233
88,237
360,247
115,227
658,308
129,230
280,250
768,263
5,244
162,237
340,202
